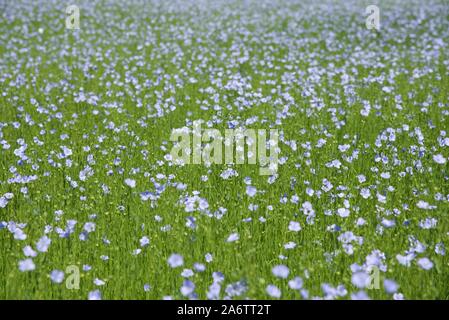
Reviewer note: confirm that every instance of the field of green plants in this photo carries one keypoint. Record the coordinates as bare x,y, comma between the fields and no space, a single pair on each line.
92,205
